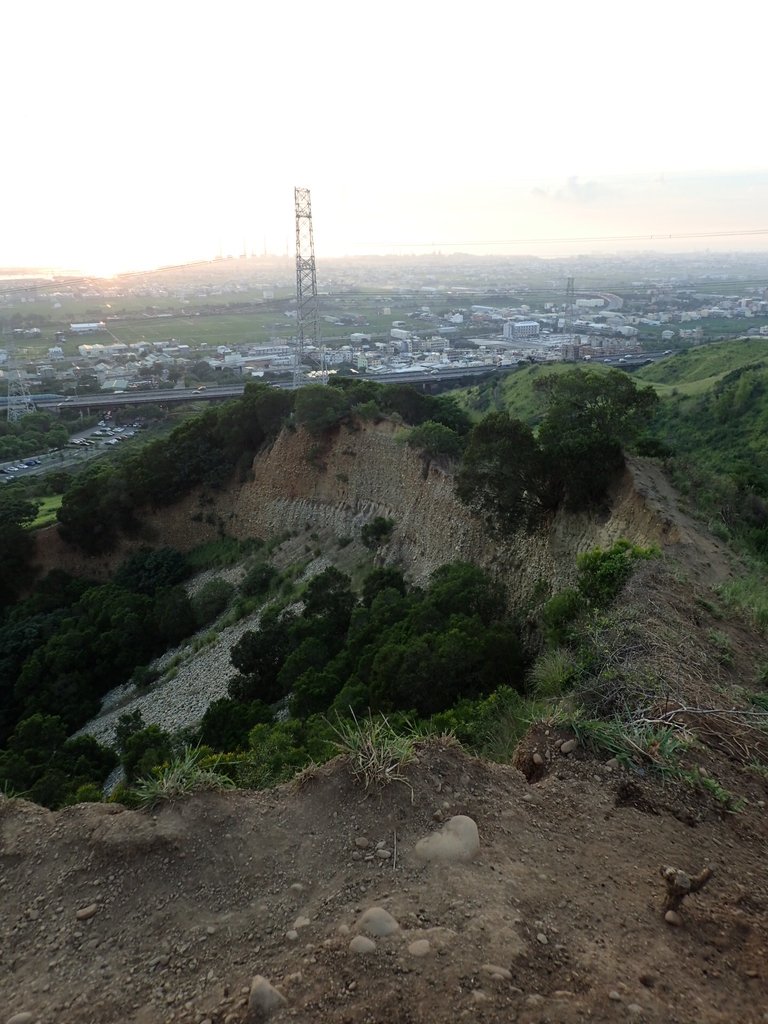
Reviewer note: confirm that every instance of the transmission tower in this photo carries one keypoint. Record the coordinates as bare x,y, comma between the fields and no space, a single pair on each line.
569,303
20,402
307,326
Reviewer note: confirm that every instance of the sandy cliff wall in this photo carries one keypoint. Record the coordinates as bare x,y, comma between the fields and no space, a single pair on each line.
361,473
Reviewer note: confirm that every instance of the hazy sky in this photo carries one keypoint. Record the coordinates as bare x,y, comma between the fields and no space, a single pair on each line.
158,131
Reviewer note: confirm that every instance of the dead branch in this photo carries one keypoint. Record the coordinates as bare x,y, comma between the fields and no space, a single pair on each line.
680,885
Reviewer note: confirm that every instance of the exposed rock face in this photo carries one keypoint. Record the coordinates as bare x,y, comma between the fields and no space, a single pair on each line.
365,472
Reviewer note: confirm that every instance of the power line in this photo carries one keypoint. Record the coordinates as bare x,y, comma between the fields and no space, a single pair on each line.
584,238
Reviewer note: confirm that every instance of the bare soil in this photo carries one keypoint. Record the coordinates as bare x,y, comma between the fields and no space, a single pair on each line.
565,895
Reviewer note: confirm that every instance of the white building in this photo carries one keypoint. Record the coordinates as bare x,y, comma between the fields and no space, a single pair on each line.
517,329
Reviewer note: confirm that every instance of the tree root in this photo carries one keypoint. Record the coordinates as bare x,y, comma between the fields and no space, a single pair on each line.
680,885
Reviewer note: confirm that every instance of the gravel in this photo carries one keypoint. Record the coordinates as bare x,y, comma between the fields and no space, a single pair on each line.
200,678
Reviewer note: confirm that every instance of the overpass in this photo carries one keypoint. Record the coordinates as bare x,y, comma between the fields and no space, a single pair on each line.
442,379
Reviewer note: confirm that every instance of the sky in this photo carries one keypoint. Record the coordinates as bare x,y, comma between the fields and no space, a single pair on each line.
157,131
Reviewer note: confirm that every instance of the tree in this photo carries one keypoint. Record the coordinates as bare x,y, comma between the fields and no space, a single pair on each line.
503,473
589,418
435,440
318,408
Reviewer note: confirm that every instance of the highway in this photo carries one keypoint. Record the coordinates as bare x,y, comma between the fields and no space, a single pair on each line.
215,392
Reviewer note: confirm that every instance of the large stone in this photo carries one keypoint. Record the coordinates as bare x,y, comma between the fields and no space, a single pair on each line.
457,840
378,922
263,1000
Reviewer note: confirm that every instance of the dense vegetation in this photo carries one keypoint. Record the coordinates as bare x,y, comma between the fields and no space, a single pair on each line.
448,654
514,476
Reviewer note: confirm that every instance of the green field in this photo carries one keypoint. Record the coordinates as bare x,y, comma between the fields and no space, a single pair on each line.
46,513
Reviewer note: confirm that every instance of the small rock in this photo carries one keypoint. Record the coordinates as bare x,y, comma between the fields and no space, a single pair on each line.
613,764
569,746
362,944
478,996
297,887
263,1000
615,996
542,938
420,947
85,913
534,999
377,921
634,1009
343,929
292,935
210,930
33,914
301,922
25,1017
383,854
501,973
362,843
537,758
673,918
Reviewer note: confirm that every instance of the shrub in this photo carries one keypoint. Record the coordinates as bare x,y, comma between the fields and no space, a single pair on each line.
602,574
258,580
552,673
211,600
377,532
559,614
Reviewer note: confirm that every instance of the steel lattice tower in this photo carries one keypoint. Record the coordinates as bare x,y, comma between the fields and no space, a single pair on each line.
20,402
307,325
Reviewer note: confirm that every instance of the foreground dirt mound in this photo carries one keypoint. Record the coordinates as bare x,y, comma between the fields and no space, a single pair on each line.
111,915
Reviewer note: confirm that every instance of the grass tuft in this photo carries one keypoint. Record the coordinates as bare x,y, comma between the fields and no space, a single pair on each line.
181,776
375,752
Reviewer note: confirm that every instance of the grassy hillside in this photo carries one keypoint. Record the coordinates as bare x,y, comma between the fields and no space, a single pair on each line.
695,371
515,393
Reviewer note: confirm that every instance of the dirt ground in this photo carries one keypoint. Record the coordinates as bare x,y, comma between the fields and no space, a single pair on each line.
556,919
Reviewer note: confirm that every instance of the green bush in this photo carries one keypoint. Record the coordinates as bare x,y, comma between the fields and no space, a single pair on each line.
211,600
602,574
559,614
258,580
377,532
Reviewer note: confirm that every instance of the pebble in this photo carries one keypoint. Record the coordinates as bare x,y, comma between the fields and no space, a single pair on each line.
420,947
534,999
673,918
542,938
377,921
537,759
478,996
362,843
301,922
263,999
615,996
25,1017
613,764
85,913
634,1009
501,973
362,944
292,935
569,746
383,854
